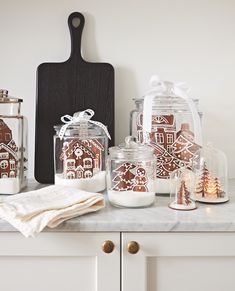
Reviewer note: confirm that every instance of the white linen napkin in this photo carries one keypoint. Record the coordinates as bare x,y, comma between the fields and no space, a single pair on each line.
31,212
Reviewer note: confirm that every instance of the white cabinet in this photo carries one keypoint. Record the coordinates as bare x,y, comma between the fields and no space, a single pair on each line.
59,261
76,261
179,262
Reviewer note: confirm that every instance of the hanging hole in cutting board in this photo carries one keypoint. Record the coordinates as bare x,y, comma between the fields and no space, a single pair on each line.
76,22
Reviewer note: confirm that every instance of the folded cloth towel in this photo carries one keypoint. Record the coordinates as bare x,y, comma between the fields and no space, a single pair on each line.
31,212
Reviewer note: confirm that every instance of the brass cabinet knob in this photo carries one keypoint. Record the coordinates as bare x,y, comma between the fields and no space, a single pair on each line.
133,247
108,246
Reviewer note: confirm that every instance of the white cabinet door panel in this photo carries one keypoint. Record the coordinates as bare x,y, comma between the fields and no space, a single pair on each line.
59,261
179,262
48,273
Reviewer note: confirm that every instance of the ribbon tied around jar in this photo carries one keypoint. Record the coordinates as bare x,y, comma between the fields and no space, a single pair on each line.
79,117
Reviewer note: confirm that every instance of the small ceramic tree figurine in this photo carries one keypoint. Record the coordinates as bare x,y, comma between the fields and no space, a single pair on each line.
182,183
211,176
183,194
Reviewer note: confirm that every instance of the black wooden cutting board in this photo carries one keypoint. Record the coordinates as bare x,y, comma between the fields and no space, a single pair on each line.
67,87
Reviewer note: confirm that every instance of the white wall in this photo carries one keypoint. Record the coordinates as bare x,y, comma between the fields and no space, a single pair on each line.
183,40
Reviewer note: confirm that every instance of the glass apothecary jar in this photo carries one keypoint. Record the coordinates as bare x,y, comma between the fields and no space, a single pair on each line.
13,145
80,150
211,170
173,121
130,175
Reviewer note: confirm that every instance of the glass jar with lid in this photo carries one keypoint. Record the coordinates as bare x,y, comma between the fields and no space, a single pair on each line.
80,150
13,145
131,175
173,129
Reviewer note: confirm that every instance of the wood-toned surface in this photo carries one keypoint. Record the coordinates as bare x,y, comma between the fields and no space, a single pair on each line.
68,87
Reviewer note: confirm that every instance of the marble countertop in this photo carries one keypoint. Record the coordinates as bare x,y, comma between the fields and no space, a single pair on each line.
158,218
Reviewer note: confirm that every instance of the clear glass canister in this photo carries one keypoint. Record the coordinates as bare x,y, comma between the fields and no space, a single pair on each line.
130,175
13,145
80,156
171,136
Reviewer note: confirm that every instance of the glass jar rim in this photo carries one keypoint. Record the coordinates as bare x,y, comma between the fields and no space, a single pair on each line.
78,126
168,103
76,129
174,98
139,152
10,100
5,98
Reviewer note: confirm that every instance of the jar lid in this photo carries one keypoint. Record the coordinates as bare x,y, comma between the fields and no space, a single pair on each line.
5,98
165,95
131,150
165,99
80,124
169,103
81,129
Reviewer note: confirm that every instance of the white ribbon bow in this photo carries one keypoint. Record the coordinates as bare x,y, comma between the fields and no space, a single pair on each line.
159,88
83,116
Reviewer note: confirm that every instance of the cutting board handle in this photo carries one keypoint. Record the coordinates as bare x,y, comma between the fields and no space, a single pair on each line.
76,23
